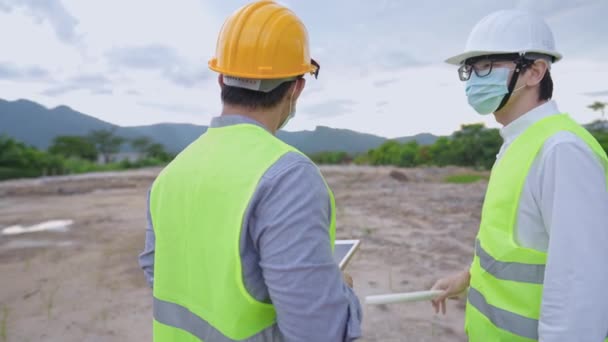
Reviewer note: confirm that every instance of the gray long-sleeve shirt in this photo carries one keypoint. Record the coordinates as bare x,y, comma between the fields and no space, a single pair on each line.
286,254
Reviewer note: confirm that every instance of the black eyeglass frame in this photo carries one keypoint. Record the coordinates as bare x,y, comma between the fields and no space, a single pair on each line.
467,68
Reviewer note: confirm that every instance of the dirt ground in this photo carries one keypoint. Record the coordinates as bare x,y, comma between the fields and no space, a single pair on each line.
85,284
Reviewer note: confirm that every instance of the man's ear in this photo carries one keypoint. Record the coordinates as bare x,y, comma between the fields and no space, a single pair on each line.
220,80
300,84
536,72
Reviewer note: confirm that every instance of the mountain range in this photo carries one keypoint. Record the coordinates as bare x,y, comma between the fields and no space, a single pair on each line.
37,125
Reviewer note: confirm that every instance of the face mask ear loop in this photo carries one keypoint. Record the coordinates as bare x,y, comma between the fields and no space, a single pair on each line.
293,93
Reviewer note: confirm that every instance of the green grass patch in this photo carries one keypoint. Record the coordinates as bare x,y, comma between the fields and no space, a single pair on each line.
464,178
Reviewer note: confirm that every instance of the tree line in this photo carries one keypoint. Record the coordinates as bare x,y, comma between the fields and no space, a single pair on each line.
77,154
472,146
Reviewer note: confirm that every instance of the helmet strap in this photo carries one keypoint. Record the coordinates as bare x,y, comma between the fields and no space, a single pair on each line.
519,66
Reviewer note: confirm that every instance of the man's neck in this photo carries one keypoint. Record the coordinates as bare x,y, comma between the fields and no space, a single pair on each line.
268,118
514,111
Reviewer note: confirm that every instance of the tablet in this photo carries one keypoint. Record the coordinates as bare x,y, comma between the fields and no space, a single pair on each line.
344,250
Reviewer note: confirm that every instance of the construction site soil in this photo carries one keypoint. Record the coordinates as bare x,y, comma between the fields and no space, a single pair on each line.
84,283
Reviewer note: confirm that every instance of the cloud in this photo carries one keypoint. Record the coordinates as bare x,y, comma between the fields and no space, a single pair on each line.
578,27
552,7
9,71
397,59
102,91
380,106
597,93
384,83
160,58
330,108
143,57
159,50
176,108
313,88
95,83
186,76
53,12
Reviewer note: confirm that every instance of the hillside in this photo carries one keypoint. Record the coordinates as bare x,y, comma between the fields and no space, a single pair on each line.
36,125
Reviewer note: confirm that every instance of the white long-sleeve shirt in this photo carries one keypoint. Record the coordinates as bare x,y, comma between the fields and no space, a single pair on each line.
563,211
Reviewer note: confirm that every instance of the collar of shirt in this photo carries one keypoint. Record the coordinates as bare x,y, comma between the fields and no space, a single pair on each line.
233,119
510,132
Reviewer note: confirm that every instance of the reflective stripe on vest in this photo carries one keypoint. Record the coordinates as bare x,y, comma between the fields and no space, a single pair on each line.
515,271
179,317
514,323
511,322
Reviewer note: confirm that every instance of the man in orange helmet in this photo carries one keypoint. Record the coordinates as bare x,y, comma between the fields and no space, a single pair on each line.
241,225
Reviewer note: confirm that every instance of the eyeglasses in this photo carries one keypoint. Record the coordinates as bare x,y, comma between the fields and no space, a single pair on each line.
318,68
482,66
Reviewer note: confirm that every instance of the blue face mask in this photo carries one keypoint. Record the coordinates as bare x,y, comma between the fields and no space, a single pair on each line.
486,93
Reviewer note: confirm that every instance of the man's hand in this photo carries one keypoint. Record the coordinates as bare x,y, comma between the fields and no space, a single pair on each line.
452,286
347,279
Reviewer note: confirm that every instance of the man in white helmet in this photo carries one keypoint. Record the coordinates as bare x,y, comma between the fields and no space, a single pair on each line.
539,271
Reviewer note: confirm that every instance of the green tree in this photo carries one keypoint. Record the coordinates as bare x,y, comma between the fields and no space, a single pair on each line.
394,153
602,138
106,143
149,149
408,154
441,152
157,151
74,146
18,160
386,154
141,144
331,158
472,146
490,141
599,107
11,152
475,146
424,156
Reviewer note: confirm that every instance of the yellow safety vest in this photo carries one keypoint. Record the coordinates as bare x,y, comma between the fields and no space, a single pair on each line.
197,204
504,298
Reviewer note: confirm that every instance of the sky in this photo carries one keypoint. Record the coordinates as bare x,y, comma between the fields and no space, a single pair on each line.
138,62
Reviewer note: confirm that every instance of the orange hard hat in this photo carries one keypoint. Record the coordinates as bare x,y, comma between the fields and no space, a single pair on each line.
263,40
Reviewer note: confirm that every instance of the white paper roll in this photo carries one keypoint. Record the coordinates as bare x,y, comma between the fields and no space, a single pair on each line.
402,297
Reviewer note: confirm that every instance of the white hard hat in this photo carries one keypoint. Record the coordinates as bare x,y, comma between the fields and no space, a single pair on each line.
509,31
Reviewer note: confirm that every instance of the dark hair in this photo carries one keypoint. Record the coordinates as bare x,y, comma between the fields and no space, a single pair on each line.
254,99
